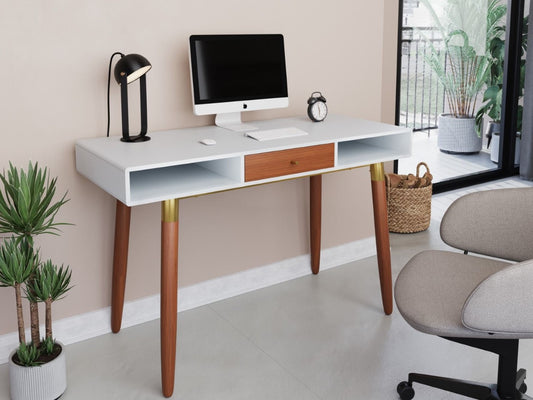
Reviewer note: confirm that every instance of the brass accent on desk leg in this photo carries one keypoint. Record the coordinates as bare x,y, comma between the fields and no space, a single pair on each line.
381,225
169,292
315,220
377,172
169,210
120,263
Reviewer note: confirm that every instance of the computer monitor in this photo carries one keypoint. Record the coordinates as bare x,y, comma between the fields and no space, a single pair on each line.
235,73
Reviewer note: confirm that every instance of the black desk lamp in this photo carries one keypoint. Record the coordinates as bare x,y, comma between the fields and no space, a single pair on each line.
128,69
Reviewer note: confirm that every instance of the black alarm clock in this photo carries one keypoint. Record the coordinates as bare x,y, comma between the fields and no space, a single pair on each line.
317,109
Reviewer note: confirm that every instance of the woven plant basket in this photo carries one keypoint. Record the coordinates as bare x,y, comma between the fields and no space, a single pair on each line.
409,209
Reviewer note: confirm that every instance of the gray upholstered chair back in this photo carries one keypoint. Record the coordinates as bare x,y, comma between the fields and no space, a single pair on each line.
497,223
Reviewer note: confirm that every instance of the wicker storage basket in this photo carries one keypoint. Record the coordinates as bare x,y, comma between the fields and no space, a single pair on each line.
409,209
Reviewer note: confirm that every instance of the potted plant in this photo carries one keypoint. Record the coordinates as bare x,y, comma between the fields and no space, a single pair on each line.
461,66
37,369
492,97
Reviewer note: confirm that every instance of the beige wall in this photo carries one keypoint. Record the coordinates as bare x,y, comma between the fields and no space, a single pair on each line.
53,91
390,53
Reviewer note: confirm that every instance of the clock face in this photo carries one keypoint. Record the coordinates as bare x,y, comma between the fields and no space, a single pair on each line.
319,110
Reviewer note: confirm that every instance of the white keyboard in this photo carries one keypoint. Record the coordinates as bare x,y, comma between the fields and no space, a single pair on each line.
272,134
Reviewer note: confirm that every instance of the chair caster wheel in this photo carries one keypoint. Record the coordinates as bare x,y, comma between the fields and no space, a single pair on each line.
405,390
523,388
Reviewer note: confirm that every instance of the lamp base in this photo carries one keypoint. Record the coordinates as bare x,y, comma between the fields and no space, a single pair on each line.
135,139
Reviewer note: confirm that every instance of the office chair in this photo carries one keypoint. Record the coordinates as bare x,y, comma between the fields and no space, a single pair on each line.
477,301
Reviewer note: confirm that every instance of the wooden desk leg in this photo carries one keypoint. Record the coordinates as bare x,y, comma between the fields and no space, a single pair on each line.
315,220
120,263
379,199
169,292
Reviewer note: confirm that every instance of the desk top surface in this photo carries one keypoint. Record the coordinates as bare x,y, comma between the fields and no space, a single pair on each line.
182,145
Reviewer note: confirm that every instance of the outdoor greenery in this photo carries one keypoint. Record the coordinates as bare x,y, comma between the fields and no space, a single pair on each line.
27,209
492,97
461,63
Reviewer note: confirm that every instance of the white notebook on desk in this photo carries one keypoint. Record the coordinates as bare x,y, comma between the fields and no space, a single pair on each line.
279,133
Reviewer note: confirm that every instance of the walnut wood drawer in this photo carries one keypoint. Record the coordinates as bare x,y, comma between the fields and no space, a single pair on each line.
288,162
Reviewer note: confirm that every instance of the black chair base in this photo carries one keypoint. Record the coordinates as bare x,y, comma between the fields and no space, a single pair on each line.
473,390
510,384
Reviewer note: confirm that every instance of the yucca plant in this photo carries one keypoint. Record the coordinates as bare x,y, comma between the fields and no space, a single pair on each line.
28,208
17,265
50,283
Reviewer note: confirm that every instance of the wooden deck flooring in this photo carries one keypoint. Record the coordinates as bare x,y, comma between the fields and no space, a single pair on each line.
443,166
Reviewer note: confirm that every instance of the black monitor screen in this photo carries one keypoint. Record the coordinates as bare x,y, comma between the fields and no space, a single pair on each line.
237,67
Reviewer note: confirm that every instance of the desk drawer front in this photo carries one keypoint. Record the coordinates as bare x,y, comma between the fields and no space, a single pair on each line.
287,162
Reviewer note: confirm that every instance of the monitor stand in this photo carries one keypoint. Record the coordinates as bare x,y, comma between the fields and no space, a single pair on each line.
233,122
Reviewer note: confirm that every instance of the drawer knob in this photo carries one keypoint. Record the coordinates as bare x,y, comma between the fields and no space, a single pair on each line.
294,162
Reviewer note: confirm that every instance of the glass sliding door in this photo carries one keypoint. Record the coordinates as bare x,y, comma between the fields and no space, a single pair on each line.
454,81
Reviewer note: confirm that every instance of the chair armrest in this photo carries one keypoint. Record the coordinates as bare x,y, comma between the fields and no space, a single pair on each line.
497,223
502,303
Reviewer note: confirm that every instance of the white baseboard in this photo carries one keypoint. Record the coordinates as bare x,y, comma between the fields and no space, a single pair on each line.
85,326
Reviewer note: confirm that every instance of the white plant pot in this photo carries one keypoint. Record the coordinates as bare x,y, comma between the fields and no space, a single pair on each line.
44,382
495,149
458,135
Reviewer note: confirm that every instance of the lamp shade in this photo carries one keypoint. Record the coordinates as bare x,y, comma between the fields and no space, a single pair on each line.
133,66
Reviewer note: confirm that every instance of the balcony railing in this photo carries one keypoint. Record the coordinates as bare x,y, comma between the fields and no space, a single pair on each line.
421,96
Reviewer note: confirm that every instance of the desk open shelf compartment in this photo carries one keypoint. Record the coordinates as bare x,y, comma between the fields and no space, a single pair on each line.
370,150
184,180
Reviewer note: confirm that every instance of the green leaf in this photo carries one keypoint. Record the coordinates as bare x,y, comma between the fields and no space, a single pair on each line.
27,205
17,264
491,93
48,344
49,283
28,355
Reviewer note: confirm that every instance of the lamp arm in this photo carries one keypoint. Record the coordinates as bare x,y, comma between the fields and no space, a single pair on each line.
124,108
144,124
108,86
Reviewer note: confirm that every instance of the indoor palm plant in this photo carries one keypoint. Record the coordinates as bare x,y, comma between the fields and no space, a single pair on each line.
461,65
27,208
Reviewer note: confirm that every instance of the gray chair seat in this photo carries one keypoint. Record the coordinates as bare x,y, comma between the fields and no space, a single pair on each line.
433,287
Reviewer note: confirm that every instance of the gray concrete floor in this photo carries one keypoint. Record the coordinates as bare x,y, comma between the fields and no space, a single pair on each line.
318,337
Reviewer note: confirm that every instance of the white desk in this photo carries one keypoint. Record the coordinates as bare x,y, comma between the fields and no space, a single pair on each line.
174,165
